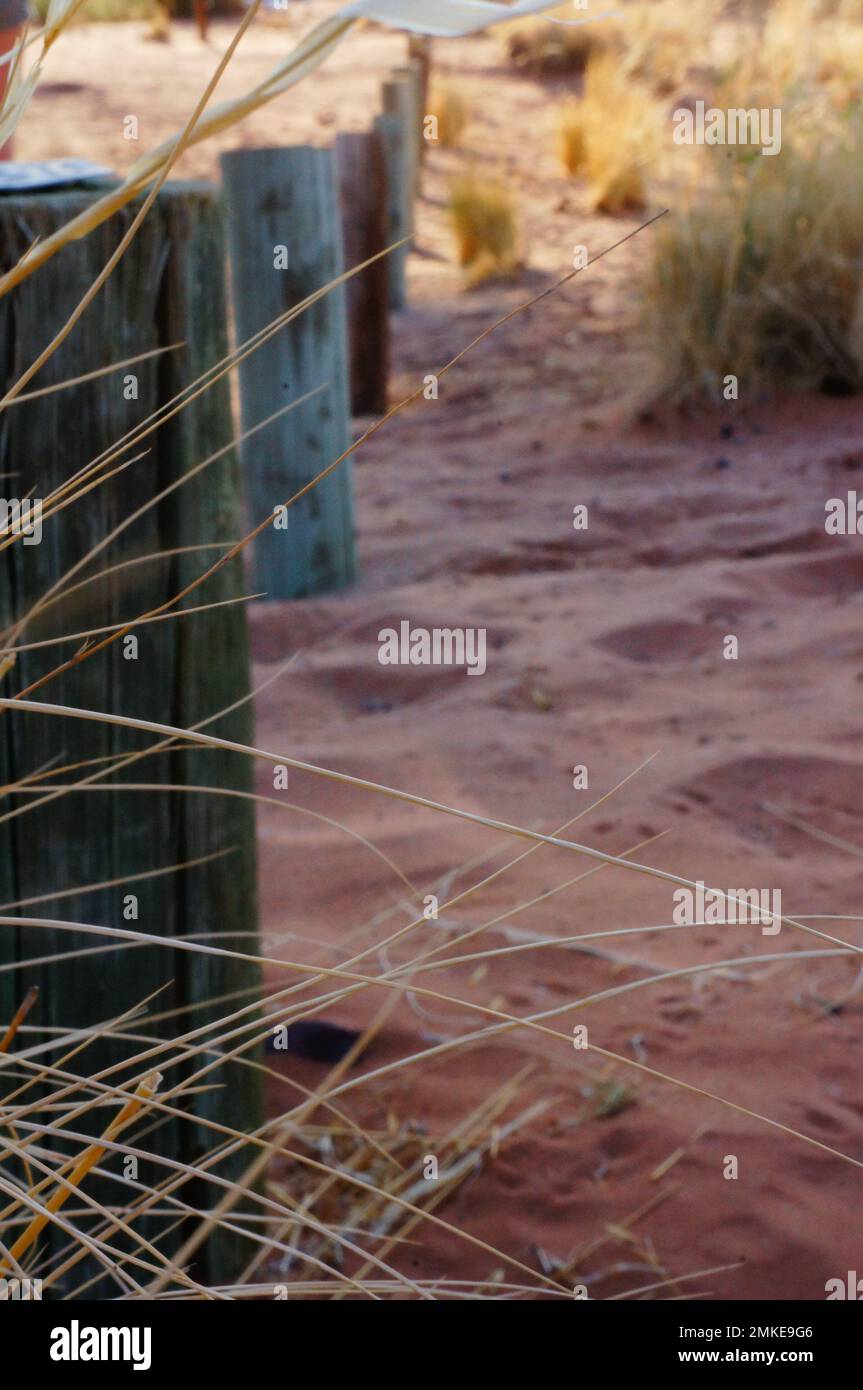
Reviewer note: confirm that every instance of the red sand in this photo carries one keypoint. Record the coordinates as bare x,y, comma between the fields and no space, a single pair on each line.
605,648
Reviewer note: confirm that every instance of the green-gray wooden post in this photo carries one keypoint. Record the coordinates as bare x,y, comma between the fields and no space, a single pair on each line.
363,193
400,96
392,130
410,77
167,289
285,244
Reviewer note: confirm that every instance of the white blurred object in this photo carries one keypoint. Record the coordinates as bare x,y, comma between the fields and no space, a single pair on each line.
445,19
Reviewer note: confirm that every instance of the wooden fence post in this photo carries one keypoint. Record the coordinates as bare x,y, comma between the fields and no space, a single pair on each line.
401,102
392,131
363,195
286,243
167,289
411,75
419,51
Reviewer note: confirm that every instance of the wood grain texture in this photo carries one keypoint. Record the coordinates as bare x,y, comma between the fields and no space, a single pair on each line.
168,287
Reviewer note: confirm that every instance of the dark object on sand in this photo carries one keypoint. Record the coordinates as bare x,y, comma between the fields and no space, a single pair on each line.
318,1041
202,18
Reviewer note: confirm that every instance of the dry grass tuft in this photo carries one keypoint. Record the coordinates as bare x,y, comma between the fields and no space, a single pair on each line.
160,24
806,55
759,274
572,136
656,41
611,135
485,224
451,112
761,277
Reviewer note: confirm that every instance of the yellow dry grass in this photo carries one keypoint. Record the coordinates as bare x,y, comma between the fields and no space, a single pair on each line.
759,274
611,136
572,136
451,112
485,226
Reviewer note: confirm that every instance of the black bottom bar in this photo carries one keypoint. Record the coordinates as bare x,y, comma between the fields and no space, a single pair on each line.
219,1342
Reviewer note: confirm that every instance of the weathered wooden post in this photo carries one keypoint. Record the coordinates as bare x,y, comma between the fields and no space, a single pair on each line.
420,53
363,195
400,96
393,133
411,104
286,243
167,289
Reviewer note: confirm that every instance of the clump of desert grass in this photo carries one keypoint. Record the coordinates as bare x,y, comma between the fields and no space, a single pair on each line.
656,41
485,226
451,112
759,274
610,136
803,53
374,1185
572,136
160,24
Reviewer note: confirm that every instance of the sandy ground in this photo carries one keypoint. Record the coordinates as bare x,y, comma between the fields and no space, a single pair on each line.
605,649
